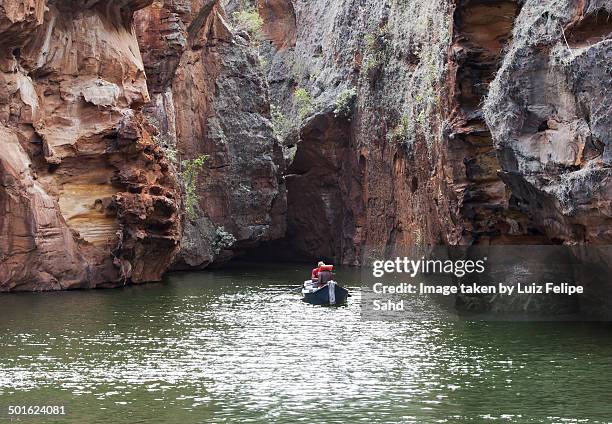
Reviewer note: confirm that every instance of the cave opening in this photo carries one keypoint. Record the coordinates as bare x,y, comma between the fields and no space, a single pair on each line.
319,216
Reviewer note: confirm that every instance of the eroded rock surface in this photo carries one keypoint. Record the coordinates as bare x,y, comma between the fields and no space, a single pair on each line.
402,123
212,99
422,164
549,110
87,198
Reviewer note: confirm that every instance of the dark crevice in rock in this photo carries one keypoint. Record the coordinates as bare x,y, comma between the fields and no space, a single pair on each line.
482,29
317,215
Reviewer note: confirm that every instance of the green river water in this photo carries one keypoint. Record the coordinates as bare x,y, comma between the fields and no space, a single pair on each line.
239,346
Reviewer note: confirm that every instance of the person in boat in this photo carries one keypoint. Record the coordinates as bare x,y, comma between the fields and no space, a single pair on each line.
314,274
322,274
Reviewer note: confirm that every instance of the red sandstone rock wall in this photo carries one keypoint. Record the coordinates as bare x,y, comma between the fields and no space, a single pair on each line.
389,183
87,198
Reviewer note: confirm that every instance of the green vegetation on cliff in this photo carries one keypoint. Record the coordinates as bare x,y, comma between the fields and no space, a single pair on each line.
190,172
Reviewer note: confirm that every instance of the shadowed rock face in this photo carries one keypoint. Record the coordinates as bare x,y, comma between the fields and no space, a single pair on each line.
395,184
348,186
87,199
215,102
316,189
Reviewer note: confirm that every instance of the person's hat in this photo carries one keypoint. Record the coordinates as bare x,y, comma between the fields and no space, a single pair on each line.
321,263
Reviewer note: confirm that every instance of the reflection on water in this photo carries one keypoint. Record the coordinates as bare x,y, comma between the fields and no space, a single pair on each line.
240,346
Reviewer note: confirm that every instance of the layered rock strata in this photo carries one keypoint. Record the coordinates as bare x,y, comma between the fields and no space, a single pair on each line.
87,198
402,123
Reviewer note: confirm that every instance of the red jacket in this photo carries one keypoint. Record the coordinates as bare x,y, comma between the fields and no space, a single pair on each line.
314,273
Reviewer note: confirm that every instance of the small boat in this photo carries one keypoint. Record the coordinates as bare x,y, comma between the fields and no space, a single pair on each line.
328,294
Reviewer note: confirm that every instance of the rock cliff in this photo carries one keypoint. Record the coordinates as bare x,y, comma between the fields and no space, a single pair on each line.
87,198
329,129
210,97
474,122
550,112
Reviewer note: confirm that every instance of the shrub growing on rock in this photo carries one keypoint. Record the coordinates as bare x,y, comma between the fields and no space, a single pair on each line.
345,103
223,240
190,171
304,102
375,55
282,126
403,133
249,20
